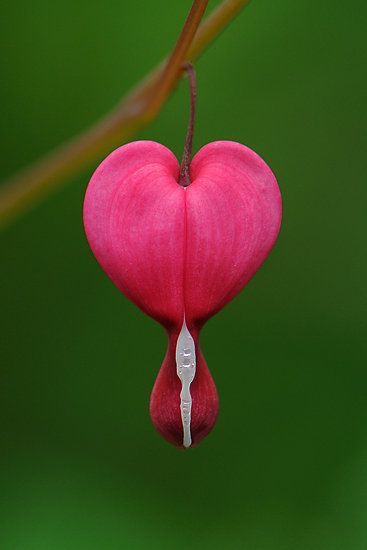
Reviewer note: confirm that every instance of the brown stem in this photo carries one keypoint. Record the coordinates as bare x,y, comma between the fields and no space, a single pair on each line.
184,178
137,109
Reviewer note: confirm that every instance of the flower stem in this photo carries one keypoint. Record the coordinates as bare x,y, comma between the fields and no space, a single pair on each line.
184,178
29,186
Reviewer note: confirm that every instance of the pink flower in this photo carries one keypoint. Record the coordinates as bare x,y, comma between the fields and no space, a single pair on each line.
180,254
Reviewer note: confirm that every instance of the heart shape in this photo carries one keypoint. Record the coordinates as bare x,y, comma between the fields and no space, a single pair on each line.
180,254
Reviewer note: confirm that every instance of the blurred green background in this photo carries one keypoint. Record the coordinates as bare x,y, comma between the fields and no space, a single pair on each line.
286,465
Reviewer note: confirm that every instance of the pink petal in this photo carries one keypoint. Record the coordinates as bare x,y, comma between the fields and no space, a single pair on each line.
233,209
134,221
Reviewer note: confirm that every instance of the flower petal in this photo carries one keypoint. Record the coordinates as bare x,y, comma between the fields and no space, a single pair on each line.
233,211
134,221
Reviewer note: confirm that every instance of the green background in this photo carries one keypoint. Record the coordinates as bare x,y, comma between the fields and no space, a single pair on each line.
286,465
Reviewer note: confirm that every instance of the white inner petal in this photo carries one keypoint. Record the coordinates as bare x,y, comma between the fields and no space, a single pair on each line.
186,368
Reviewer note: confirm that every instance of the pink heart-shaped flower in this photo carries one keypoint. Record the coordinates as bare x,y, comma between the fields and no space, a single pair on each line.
181,254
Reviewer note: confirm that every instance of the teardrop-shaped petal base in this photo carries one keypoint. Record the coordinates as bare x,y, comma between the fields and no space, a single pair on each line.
165,399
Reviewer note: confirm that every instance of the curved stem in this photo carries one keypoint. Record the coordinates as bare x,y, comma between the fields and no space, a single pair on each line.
184,178
137,109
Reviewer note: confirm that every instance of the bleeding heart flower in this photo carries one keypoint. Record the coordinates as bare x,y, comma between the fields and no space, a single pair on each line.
180,254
